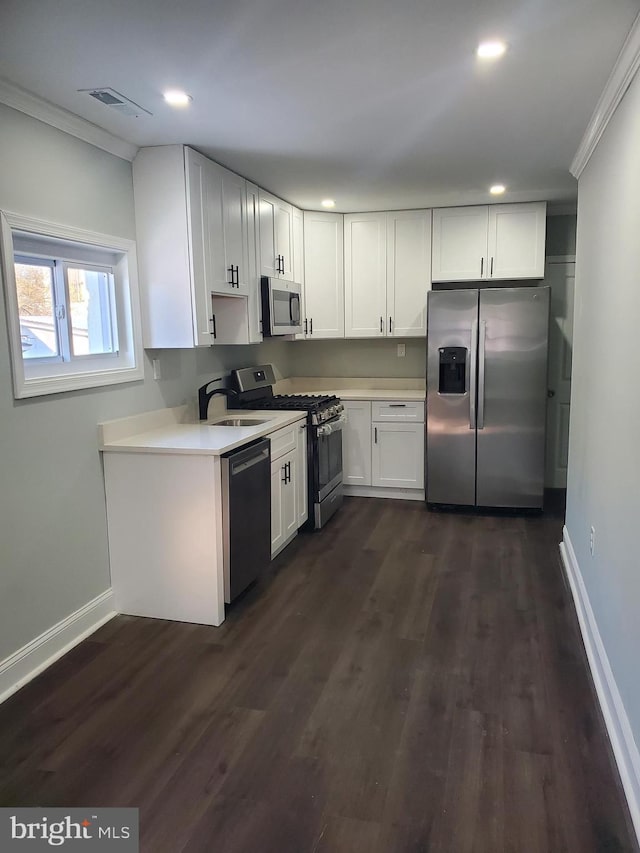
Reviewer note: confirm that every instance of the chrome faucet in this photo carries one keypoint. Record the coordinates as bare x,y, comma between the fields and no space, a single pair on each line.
205,396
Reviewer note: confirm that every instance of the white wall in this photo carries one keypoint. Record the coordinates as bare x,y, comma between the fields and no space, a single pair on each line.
359,358
53,536
604,448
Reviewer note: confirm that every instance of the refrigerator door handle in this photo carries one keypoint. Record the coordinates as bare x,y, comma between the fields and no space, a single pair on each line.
471,367
482,333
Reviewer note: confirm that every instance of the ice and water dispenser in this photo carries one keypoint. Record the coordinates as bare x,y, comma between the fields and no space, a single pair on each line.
453,368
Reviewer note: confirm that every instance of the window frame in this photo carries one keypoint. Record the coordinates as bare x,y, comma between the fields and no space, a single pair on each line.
34,377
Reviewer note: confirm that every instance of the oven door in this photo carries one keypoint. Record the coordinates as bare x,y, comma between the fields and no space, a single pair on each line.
328,457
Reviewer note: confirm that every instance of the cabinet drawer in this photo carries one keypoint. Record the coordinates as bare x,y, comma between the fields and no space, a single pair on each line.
395,411
284,440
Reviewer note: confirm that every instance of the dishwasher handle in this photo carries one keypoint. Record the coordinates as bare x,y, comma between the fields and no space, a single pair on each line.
247,457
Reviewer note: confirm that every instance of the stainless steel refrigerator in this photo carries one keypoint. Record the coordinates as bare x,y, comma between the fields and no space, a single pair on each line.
487,396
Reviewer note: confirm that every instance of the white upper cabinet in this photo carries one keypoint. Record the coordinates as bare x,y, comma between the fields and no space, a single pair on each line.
408,272
231,244
254,304
365,275
517,240
191,230
298,245
502,241
276,237
387,273
323,315
460,243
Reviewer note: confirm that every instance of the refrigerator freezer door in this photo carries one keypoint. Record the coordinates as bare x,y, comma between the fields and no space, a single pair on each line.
512,396
451,437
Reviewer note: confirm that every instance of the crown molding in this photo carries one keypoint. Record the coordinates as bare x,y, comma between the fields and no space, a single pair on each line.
624,71
36,107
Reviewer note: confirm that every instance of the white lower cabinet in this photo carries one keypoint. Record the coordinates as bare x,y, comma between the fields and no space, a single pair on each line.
356,443
398,455
288,484
383,449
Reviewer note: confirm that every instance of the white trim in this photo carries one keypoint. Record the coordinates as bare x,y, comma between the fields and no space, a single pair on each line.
37,107
624,746
383,492
22,666
624,71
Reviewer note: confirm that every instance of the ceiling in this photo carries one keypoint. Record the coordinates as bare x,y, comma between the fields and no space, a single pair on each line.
376,104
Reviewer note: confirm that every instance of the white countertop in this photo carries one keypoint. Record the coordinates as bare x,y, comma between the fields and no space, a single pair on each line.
355,389
166,431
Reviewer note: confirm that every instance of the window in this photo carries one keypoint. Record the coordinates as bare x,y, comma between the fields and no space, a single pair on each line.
72,307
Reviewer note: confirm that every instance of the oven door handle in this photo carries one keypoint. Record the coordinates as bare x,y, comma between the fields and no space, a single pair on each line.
333,426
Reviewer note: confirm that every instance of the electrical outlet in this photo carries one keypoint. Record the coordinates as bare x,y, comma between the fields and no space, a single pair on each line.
592,541
157,373
402,350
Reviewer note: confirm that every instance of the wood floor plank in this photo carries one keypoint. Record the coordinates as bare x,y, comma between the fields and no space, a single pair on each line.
402,681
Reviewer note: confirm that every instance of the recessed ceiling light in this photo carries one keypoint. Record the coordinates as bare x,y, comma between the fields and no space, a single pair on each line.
491,49
177,98
328,202
497,189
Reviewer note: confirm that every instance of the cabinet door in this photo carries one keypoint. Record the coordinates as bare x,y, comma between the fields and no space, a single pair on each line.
356,443
301,481
324,274
234,213
398,455
408,272
268,265
460,243
284,237
202,219
517,240
297,247
277,513
254,305
289,496
365,275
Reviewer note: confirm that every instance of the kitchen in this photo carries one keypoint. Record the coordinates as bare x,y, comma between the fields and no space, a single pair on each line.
52,444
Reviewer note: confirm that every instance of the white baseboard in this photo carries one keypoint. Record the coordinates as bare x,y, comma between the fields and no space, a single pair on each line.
22,666
624,746
383,492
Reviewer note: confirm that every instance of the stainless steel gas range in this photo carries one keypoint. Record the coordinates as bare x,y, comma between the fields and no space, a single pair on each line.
253,387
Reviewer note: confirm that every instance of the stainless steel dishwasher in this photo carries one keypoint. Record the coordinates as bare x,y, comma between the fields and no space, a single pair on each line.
246,514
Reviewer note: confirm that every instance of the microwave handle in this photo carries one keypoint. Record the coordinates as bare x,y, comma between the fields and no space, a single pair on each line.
294,309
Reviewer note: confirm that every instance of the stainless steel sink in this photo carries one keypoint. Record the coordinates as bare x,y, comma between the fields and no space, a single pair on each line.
238,422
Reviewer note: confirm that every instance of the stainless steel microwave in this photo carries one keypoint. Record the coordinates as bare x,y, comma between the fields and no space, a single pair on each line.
281,313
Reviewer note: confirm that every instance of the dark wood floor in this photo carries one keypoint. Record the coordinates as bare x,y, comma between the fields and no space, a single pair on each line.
401,681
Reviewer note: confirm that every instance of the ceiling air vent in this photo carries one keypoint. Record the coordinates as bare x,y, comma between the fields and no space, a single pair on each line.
111,98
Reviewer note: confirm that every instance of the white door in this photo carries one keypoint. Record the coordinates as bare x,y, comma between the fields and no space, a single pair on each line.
365,275
234,199
460,243
408,272
302,498
323,275
297,247
516,240
289,496
268,263
356,443
560,276
277,512
284,238
254,306
199,211
398,455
